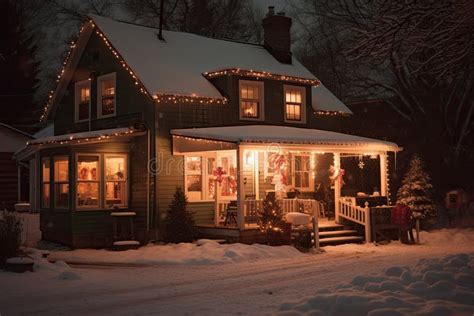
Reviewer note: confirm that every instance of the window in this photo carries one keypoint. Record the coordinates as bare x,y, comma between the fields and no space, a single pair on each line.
194,177
295,108
106,95
88,181
251,100
61,182
229,179
115,180
200,178
82,100
302,171
45,182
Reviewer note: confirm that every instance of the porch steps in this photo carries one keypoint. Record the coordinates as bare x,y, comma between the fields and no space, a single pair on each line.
336,234
332,233
340,240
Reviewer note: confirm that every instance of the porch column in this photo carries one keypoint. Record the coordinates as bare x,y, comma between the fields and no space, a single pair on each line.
383,174
240,188
337,186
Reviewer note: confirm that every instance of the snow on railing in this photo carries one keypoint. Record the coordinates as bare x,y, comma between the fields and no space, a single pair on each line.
357,214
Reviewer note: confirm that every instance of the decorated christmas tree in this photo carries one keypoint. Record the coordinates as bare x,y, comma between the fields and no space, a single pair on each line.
270,218
179,222
415,191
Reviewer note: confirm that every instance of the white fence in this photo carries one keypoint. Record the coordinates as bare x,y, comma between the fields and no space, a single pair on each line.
357,214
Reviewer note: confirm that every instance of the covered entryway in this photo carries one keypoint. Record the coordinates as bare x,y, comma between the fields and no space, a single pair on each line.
237,166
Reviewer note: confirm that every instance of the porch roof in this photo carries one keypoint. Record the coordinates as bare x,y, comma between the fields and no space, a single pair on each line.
265,134
84,137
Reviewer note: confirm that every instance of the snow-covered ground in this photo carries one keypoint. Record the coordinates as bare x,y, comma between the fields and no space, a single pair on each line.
232,279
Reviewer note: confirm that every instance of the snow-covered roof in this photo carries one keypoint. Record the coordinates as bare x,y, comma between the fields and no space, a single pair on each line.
48,130
287,135
176,65
82,137
323,100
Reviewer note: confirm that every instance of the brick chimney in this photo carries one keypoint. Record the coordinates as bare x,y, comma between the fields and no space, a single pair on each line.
276,35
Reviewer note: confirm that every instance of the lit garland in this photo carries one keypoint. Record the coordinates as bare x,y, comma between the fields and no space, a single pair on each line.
76,139
134,77
176,98
127,68
61,73
202,140
330,113
261,75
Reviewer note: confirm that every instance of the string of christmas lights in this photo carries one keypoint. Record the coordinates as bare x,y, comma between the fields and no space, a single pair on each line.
72,45
194,99
76,139
329,113
260,75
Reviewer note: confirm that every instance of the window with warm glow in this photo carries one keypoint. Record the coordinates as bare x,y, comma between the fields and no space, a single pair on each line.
45,182
251,99
82,97
106,95
61,182
88,181
194,177
115,180
302,171
294,104
201,175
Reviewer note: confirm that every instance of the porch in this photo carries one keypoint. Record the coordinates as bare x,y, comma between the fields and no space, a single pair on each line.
234,168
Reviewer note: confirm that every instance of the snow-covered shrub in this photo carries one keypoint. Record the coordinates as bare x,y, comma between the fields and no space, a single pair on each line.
416,190
179,223
10,235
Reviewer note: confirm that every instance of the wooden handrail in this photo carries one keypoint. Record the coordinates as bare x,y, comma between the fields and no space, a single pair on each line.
357,214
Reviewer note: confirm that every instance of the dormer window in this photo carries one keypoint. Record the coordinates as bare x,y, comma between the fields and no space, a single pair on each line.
106,95
251,100
82,100
295,104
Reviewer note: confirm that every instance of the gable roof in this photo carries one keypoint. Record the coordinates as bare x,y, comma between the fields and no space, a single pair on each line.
177,65
324,101
180,64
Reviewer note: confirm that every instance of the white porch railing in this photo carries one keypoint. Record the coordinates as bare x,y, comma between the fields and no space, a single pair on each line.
357,214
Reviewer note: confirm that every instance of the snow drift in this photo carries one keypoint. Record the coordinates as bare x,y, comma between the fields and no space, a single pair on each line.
432,287
204,252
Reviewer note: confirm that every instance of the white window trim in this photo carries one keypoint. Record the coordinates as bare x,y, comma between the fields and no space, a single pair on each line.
55,158
303,104
43,183
125,204
205,176
293,171
99,95
261,109
77,86
99,173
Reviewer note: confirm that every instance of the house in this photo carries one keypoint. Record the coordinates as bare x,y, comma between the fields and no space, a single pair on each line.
11,189
136,116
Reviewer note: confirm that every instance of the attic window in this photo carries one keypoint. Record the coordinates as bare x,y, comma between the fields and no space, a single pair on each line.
82,100
251,100
106,95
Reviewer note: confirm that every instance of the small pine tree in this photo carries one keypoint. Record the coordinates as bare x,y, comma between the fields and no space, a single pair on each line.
415,191
270,218
179,223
